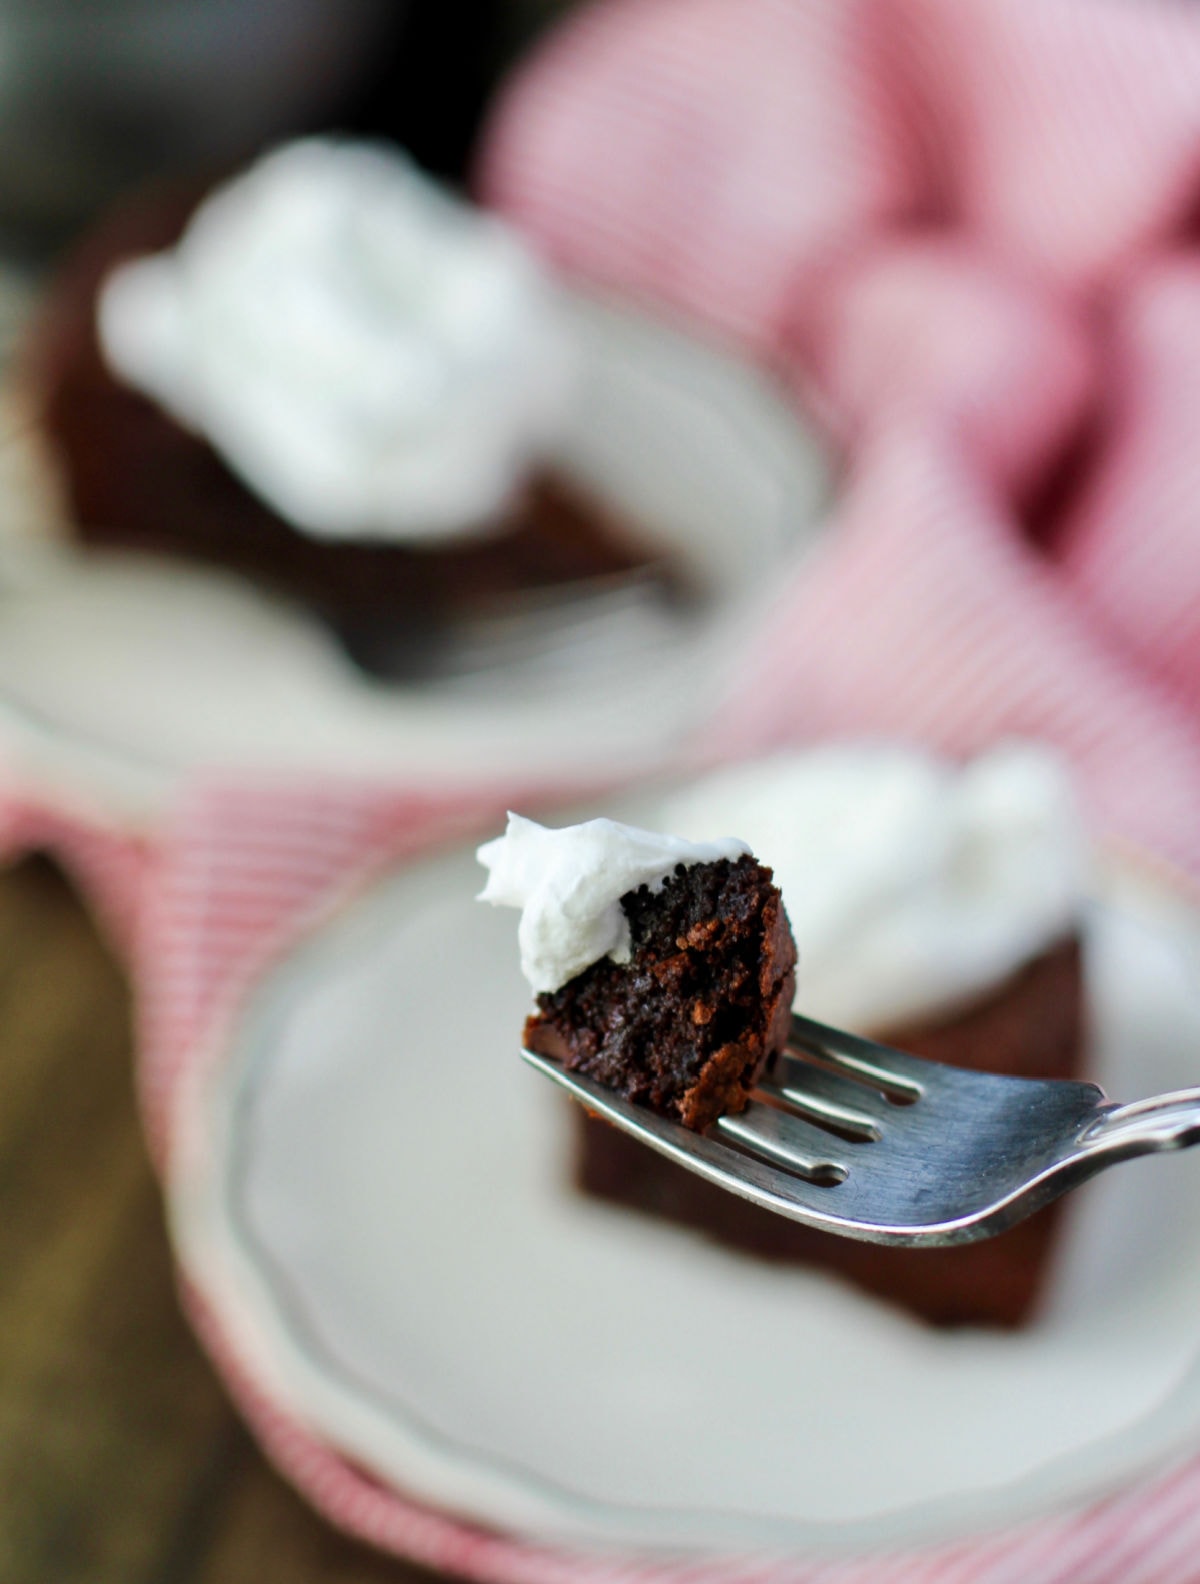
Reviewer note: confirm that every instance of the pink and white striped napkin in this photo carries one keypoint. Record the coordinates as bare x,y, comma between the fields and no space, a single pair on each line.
966,233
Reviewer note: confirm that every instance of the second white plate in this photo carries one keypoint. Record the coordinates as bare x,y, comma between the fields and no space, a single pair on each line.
119,674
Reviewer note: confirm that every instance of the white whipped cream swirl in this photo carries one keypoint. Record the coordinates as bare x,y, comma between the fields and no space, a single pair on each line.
374,358
569,883
911,884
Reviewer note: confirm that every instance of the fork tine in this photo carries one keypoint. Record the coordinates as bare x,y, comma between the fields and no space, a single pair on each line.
786,1140
894,1072
747,1174
826,1097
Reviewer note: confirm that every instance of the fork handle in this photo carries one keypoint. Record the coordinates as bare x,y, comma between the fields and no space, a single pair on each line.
1164,1122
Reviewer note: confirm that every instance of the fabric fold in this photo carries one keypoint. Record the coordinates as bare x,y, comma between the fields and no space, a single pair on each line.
964,235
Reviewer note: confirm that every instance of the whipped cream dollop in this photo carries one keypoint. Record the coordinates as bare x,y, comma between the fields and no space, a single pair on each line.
569,883
911,884
374,358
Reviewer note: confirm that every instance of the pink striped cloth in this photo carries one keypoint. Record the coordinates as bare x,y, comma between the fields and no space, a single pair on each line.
963,232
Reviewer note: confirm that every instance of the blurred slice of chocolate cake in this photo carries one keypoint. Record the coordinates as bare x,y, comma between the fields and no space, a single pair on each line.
938,908
331,376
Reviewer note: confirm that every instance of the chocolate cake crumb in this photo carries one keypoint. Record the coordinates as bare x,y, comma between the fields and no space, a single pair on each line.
687,1026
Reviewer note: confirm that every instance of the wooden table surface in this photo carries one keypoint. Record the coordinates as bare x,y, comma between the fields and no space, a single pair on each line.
121,1461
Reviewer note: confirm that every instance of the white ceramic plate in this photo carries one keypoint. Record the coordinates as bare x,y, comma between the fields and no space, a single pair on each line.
374,1198
119,673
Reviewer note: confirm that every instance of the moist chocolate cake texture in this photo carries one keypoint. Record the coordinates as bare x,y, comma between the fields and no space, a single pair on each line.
688,1024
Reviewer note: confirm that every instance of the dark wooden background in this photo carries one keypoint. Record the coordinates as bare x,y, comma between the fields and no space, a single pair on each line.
121,1461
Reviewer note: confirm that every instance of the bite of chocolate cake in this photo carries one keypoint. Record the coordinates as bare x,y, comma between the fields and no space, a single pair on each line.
690,991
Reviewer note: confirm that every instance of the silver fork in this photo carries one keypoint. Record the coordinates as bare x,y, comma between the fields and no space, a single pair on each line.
868,1142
